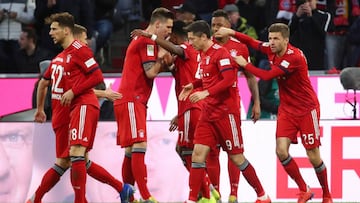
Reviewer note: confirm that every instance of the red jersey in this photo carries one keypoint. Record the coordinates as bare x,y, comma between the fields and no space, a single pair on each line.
78,63
214,62
60,114
184,73
135,85
297,95
236,48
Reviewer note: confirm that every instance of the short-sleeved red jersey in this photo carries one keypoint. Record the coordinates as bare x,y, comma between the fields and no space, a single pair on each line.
78,63
213,62
185,73
60,114
135,85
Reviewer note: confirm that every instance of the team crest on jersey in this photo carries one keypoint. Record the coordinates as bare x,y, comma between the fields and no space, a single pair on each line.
150,50
285,64
68,58
233,52
141,133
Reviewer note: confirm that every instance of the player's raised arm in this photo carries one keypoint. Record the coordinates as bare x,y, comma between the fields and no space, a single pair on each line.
166,44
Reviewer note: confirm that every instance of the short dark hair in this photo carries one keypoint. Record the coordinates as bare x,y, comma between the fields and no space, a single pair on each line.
161,14
199,27
178,28
280,27
221,13
64,19
31,33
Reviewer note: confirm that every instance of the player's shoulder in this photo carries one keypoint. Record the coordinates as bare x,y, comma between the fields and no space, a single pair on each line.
293,53
141,40
80,47
77,45
234,40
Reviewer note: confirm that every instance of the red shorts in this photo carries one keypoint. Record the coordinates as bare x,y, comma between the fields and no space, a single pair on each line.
131,123
83,123
225,131
62,141
308,126
186,127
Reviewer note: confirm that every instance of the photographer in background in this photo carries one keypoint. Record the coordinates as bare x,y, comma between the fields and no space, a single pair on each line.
13,14
308,27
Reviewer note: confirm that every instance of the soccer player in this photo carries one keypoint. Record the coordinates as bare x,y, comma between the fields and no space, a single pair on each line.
143,61
220,117
184,70
62,29
299,109
220,18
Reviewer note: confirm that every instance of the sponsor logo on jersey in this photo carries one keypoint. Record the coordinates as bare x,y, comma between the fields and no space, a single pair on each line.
150,50
90,62
224,62
285,64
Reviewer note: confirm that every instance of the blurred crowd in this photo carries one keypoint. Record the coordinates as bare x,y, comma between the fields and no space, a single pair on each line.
327,31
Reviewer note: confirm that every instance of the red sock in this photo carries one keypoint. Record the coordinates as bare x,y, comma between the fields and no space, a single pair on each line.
127,173
197,174
78,179
50,178
213,167
250,175
102,175
321,174
205,188
139,170
292,169
234,177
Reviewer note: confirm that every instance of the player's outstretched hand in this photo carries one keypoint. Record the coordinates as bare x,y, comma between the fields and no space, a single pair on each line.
185,92
241,61
224,32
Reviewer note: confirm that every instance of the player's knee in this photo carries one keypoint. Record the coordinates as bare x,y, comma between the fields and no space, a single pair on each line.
77,150
63,162
282,153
